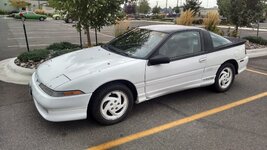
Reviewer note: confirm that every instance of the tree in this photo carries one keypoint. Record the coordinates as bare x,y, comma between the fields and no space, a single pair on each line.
192,5
224,6
19,3
156,10
130,7
176,9
241,12
90,14
143,7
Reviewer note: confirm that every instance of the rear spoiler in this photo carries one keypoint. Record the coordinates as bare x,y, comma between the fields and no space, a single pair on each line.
235,42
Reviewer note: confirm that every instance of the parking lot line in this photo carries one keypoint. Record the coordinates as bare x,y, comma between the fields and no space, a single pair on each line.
33,45
176,123
258,72
40,37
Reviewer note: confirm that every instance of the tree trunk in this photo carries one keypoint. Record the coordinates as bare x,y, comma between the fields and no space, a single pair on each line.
88,37
236,27
80,35
235,32
96,37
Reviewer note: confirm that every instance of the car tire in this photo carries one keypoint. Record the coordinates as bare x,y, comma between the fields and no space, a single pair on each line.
111,104
57,18
69,20
224,77
41,18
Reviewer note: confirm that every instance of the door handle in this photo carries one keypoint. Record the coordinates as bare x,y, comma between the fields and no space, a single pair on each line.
202,60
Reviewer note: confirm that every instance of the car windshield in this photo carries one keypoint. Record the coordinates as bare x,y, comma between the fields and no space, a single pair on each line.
137,43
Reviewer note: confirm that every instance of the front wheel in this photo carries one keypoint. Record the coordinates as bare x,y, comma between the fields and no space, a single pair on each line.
111,104
69,20
224,77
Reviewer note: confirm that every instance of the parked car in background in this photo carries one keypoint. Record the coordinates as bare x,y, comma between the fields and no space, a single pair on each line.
13,13
57,16
172,15
68,18
142,64
30,15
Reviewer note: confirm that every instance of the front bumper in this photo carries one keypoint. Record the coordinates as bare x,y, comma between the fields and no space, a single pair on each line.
58,109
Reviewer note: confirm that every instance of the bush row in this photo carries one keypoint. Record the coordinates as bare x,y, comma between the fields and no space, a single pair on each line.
2,12
53,50
257,40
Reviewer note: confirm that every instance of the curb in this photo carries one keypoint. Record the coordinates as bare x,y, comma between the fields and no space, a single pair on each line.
11,73
254,53
243,28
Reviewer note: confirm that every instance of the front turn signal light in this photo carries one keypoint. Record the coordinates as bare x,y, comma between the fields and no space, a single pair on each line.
70,93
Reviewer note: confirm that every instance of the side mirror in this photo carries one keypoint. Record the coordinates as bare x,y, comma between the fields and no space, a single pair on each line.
159,59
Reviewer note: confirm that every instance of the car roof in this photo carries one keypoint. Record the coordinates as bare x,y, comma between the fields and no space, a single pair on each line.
168,28
25,11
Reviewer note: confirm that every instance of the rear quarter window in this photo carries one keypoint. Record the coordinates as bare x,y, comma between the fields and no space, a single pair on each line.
218,40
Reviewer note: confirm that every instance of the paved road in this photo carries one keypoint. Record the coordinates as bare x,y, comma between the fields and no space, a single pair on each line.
243,127
43,33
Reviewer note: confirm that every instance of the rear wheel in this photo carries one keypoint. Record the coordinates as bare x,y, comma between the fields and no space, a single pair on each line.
41,18
111,104
224,77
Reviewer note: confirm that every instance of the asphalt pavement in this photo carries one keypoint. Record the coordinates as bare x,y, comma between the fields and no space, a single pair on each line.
242,127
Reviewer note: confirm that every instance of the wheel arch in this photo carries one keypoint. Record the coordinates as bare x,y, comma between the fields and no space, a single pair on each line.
127,83
233,62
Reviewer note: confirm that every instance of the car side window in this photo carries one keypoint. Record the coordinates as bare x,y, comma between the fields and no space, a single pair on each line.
181,45
218,40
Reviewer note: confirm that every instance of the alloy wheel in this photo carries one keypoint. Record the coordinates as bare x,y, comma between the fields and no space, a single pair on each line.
225,78
114,105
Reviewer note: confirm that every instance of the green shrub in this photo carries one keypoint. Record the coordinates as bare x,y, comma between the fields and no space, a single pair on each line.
35,55
2,12
257,40
62,46
61,52
157,16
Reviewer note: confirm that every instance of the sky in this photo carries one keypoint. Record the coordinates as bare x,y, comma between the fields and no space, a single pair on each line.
173,3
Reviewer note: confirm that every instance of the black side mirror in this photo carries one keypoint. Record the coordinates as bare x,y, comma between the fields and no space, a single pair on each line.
159,59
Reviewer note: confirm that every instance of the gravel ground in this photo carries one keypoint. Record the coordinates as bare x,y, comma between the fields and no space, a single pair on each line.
250,45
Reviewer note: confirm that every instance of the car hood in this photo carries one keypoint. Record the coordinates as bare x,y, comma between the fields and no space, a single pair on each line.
65,68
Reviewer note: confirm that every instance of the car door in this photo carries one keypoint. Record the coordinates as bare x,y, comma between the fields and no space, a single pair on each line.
185,70
31,15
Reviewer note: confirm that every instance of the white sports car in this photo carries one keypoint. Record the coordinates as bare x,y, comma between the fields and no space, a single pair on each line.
144,63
